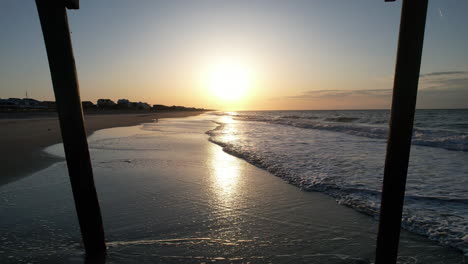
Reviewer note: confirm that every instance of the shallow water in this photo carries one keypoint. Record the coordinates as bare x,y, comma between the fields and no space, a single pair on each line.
168,195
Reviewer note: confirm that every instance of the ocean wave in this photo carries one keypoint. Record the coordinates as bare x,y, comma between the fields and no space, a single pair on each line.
292,116
371,128
300,117
342,119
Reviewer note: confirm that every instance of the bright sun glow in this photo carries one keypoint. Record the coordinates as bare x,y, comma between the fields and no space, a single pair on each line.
229,81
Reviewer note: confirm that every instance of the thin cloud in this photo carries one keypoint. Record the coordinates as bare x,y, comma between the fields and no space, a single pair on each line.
442,73
444,89
445,80
313,94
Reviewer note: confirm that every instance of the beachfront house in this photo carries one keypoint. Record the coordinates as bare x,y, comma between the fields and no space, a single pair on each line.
23,104
105,103
88,105
143,106
29,102
126,104
50,105
123,103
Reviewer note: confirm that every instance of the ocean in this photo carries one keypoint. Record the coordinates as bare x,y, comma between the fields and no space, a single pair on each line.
342,153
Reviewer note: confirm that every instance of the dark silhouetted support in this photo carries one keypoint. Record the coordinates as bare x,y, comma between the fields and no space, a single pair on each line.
72,4
54,22
410,44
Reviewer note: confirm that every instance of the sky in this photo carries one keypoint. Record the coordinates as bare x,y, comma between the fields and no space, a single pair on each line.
239,55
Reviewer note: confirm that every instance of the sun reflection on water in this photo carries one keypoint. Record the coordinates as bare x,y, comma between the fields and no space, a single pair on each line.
226,119
225,171
229,130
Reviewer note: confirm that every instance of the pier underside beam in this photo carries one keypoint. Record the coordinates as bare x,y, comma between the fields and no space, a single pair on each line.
408,62
54,23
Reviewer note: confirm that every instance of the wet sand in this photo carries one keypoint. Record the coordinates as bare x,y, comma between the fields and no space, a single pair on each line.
24,135
168,195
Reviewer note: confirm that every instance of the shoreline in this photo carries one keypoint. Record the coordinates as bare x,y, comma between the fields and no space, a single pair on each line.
262,151
175,193
24,136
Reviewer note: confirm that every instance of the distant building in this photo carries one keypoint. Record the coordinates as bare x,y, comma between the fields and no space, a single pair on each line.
123,103
88,105
13,101
105,103
23,104
143,106
126,104
7,104
30,102
158,107
50,105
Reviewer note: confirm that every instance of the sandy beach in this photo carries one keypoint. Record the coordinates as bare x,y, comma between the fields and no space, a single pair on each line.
24,135
168,195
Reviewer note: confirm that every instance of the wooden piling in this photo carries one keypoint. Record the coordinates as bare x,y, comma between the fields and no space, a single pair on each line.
410,44
54,23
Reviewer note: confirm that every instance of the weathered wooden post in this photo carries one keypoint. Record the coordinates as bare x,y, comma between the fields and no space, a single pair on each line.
410,44
54,23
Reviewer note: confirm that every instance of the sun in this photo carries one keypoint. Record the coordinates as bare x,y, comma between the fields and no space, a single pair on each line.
229,80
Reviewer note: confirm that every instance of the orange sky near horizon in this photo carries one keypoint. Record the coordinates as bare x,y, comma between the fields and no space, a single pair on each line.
239,55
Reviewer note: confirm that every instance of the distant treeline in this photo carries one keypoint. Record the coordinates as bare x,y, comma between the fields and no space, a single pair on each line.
28,104
175,108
